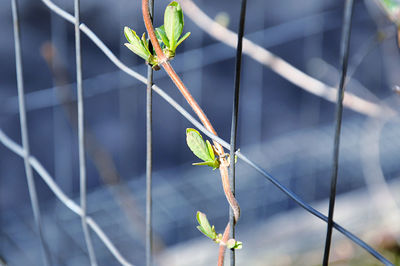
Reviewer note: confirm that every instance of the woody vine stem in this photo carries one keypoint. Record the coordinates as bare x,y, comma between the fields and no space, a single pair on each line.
163,61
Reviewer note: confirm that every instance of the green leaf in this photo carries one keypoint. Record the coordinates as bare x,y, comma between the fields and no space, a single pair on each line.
183,38
200,217
205,227
143,39
232,243
161,36
214,164
203,163
135,44
210,150
138,51
130,34
197,145
173,23
239,245
145,43
202,230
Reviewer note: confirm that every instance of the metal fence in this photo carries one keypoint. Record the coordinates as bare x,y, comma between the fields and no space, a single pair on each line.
89,225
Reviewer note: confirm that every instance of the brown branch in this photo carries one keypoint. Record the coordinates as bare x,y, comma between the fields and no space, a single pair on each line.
222,247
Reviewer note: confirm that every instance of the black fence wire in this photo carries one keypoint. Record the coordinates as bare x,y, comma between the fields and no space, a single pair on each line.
87,222
235,111
149,159
344,58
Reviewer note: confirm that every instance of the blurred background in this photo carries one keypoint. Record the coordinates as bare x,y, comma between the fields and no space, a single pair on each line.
286,130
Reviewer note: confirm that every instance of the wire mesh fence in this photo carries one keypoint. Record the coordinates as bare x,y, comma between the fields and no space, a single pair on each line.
89,218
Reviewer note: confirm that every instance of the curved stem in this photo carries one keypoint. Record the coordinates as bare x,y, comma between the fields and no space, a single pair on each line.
163,61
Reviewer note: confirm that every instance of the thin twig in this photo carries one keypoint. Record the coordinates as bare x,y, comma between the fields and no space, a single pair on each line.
81,135
280,66
24,134
344,56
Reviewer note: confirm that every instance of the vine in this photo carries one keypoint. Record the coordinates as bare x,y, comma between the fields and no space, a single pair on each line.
165,39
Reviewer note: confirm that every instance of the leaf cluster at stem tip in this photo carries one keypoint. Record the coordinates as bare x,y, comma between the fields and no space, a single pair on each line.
168,36
209,231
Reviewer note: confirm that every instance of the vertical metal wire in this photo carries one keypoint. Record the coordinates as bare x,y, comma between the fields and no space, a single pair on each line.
344,55
149,231
24,134
61,134
251,130
81,135
235,108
